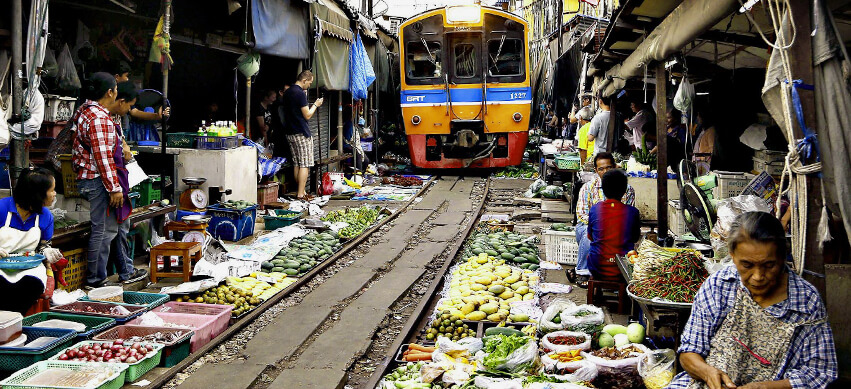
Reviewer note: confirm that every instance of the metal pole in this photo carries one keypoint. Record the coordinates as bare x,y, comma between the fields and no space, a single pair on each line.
340,122
19,156
248,108
560,30
164,137
661,152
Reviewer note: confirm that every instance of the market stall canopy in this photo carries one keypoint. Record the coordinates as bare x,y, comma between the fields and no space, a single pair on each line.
653,31
280,28
333,40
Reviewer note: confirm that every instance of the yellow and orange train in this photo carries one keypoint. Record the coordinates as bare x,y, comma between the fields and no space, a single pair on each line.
466,95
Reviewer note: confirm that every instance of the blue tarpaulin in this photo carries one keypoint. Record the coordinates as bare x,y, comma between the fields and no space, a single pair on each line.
280,28
361,74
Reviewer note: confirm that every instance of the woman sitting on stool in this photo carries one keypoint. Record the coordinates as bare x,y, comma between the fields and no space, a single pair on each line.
27,227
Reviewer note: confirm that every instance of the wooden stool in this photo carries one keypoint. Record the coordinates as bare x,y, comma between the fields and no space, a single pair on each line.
188,251
596,297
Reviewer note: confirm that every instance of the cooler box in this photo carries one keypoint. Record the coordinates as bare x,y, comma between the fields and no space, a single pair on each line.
231,224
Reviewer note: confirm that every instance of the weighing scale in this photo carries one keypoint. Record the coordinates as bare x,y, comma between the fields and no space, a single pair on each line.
194,199
194,226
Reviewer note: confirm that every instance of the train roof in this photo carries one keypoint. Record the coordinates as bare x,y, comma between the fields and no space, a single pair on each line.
437,11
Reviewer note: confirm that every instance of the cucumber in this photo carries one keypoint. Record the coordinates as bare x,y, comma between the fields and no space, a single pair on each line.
491,253
278,269
507,256
305,267
291,265
291,272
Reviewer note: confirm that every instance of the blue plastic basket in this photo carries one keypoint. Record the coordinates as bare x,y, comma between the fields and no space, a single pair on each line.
21,262
151,300
93,324
231,224
17,358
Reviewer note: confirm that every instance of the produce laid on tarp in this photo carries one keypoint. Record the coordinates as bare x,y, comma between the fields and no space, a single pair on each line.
567,346
303,254
518,249
357,220
524,170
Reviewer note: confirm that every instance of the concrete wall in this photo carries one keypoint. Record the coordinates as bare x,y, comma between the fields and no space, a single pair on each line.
234,169
645,195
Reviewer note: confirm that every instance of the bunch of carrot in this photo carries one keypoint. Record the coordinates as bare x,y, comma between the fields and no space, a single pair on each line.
416,353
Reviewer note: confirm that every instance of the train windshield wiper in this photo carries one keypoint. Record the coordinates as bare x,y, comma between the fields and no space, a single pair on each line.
495,61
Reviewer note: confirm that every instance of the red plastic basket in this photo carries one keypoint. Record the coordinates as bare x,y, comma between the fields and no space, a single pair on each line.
220,312
207,320
267,193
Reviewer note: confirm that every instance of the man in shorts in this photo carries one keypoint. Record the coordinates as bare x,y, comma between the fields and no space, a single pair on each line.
297,112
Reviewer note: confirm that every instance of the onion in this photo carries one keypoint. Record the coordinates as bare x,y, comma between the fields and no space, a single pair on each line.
132,360
85,348
100,359
63,357
119,342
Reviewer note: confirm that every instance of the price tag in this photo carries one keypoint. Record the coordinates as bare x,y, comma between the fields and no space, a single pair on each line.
268,279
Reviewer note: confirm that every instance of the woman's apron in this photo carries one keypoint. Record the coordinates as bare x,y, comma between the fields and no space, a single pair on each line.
14,240
751,345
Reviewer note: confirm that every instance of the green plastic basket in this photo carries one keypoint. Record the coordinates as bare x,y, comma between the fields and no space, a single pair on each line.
569,161
173,352
14,359
151,300
282,218
93,324
114,381
135,370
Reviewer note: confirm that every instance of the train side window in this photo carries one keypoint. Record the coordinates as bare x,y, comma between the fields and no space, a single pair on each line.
422,62
465,60
505,57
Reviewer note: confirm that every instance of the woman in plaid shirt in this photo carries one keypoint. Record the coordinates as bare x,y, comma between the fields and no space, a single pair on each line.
97,176
755,324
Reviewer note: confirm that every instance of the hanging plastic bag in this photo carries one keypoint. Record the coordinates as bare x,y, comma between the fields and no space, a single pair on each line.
656,368
685,95
50,68
67,78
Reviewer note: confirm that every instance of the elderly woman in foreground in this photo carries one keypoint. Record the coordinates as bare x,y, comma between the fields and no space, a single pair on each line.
757,324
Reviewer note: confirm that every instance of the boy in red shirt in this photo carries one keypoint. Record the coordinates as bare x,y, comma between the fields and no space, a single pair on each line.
613,228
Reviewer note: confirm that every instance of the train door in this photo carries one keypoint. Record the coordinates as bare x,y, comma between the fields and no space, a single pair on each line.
465,71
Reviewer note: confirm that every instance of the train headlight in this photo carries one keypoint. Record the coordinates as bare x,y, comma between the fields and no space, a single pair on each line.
415,120
517,117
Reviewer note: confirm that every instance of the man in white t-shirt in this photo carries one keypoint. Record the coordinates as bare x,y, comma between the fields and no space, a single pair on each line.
599,132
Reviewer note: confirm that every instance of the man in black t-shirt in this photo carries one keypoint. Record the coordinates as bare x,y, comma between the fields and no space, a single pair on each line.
296,114
262,116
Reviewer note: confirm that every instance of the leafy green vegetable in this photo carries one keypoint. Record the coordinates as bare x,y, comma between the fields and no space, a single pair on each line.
542,379
499,349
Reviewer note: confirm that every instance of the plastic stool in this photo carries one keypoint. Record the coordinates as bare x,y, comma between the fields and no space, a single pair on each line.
596,297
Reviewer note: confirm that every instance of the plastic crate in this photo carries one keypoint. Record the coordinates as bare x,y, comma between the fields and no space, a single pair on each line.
114,381
183,140
770,156
173,352
201,325
69,176
267,193
772,168
101,308
283,218
93,324
221,313
58,108
730,184
75,272
231,224
676,222
149,190
151,300
17,358
568,162
210,142
134,370
561,246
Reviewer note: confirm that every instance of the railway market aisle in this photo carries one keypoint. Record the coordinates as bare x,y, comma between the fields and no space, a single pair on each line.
312,344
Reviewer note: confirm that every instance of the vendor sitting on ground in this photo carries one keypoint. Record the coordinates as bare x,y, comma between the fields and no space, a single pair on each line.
591,194
613,228
27,227
757,324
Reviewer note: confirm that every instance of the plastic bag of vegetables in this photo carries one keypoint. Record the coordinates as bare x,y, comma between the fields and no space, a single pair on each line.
510,353
552,192
583,318
537,186
656,368
582,370
551,320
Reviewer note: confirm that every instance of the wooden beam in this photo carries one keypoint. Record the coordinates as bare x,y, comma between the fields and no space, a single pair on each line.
661,151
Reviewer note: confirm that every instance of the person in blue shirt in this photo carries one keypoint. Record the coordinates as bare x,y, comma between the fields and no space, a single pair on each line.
27,227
